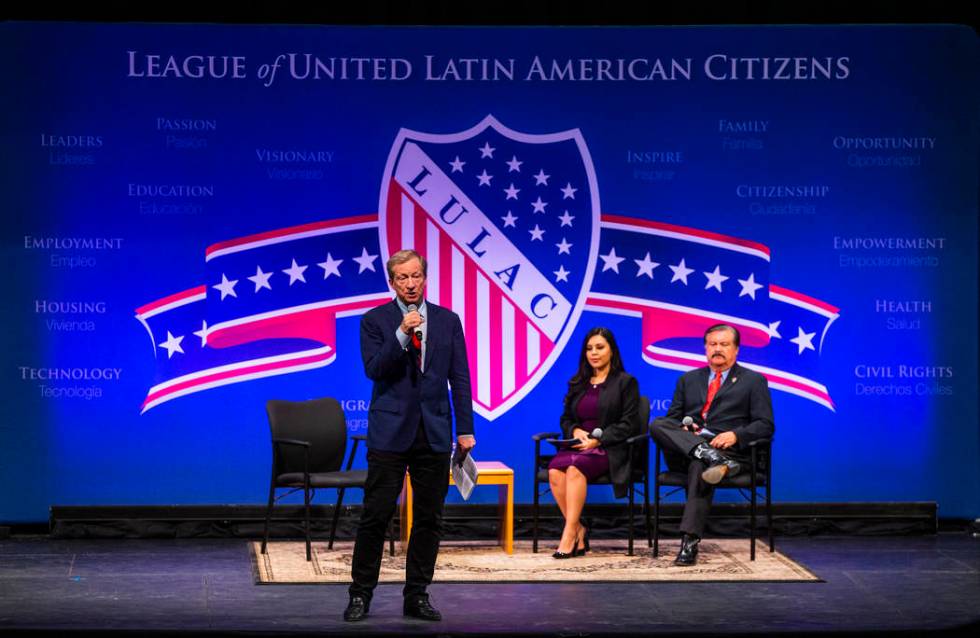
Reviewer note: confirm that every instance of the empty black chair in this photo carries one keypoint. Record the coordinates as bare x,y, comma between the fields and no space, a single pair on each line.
309,441
639,445
747,482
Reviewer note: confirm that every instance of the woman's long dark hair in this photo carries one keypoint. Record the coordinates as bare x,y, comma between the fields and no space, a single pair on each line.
581,378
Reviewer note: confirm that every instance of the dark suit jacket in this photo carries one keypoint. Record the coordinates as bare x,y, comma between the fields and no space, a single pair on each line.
402,395
619,419
742,404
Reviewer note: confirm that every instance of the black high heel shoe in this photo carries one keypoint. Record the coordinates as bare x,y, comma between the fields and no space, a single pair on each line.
585,542
563,555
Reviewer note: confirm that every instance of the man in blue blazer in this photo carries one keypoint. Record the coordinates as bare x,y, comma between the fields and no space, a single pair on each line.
412,350
728,407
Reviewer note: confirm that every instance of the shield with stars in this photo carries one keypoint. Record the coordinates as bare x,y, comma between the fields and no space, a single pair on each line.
509,223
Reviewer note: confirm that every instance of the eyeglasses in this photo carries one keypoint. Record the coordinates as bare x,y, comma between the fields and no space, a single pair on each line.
415,277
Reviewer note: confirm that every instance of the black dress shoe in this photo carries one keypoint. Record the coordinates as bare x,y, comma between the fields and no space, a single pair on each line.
689,551
719,465
564,555
357,609
420,608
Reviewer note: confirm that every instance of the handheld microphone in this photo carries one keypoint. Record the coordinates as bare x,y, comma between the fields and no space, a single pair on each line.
689,424
418,333
596,433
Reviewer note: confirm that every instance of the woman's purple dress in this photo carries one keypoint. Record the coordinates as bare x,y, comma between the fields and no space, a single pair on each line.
592,463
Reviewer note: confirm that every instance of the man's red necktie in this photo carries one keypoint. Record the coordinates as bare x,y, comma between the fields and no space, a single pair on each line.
712,391
417,344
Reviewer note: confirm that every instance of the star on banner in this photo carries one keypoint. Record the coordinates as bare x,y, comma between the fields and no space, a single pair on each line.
681,271
202,334
227,287
774,329
295,273
611,261
365,261
172,344
261,279
804,340
646,266
715,279
331,266
749,286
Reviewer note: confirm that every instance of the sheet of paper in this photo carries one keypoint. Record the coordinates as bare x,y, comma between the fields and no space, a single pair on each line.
464,472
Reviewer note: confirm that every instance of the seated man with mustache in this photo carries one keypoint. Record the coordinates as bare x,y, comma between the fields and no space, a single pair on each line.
729,407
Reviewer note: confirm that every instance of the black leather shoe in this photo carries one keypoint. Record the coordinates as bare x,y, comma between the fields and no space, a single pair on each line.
420,608
564,555
357,609
689,551
719,465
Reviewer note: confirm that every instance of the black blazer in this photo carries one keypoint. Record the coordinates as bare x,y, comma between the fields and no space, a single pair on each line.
742,405
401,394
619,418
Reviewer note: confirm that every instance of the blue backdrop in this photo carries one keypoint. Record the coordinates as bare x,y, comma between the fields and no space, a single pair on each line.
816,185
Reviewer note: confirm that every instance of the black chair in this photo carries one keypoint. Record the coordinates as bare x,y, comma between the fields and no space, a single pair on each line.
639,445
747,483
309,439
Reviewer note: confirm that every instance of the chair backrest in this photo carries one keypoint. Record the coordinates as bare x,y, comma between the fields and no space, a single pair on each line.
764,458
320,422
644,420
641,451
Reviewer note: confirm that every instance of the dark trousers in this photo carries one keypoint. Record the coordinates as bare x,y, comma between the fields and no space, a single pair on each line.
430,482
677,445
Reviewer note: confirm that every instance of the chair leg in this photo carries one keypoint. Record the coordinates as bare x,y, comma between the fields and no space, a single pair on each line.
391,536
268,514
772,541
646,508
632,499
306,506
534,510
752,525
656,519
336,517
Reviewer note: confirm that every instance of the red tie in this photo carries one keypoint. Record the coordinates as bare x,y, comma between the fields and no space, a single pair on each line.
417,344
712,391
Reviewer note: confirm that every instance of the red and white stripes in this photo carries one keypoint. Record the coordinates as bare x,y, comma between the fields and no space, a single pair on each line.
505,349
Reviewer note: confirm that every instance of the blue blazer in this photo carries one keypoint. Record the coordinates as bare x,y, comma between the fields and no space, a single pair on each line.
402,395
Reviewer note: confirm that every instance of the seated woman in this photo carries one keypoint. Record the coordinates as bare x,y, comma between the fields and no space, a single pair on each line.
600,395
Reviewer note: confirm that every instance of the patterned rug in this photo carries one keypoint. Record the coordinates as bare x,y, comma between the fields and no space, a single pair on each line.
720,560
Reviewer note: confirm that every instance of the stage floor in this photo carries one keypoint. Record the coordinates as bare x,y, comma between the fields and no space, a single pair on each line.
891,584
